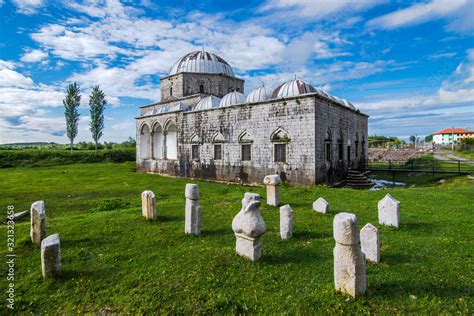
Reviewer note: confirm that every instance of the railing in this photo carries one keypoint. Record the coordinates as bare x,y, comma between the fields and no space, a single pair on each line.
430,166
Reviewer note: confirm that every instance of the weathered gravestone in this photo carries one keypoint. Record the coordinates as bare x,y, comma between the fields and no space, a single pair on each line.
192,222
286,222
389,211
272,183
248,226
321,206
148,205
51,256
37,222
370,242
349,260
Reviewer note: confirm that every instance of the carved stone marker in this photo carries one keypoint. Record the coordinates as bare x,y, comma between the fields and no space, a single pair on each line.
192,222
321,206
37,221
148,205
248,226
50,256
286,222
349,260
370,242
273,189
389,211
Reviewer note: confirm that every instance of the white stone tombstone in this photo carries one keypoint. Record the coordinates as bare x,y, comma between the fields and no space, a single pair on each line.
192,222
248,226
286,222
51,256
389,211
370,242
272,183
321,206
148,205
349,260
37,222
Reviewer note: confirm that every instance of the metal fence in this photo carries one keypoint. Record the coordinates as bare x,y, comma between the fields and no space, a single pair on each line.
429,166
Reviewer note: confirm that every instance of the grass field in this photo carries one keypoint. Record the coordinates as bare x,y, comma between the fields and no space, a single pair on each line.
115,261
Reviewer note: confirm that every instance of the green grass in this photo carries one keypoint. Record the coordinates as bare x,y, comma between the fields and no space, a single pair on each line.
115,261
467,154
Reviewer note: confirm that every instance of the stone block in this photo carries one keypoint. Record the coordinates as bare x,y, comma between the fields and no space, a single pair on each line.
51,256
321,206
272,183
346,230
148,205
389,211
192,221
248,247
286,222
37,222
370,242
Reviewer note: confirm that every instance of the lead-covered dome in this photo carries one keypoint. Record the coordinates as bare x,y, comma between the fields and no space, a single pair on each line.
207,103
292,88
232,98
202,62
259,95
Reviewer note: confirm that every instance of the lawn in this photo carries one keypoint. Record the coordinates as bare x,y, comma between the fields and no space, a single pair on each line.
115,261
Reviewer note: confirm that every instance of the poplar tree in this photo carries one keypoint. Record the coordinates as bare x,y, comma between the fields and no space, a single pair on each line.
71,104
97,104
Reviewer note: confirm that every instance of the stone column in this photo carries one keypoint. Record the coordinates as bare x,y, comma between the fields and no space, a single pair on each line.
286,222
321,206
192,222
248,226
37,221
389,211
370,242
148,205
349,260
273,189
50,256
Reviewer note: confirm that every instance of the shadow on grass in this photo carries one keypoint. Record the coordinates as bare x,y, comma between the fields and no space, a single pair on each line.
216,232
169,218
424,227
394,290
310,235
298,256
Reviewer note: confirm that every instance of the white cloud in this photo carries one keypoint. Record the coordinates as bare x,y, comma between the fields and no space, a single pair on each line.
11,78
34,56
442,55
460,11
28,6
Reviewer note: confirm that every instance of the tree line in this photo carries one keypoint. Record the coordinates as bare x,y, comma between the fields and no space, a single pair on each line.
97,103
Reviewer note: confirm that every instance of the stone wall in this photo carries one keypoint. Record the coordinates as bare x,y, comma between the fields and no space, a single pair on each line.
185,84
306,121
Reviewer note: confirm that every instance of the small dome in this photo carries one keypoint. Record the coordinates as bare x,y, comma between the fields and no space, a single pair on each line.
207,103
179,106
232,98
259,95
202,62
292,88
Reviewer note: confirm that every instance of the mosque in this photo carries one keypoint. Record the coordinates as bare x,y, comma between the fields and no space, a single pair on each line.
205,127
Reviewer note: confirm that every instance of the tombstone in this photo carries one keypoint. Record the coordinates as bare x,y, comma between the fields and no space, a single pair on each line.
51,256
192,222
389,211
148,205
286,222
370,242
248,226
38,222
349,260
273,189
321,206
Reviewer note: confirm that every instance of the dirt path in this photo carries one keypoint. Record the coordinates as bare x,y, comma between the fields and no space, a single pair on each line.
443,154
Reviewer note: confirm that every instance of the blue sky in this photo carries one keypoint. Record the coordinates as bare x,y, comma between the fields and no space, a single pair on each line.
409,65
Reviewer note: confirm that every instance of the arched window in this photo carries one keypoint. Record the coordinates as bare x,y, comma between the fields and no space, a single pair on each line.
171,141
280,140
245,140
218,140
145,146
327,145
201,88
195,142
157,142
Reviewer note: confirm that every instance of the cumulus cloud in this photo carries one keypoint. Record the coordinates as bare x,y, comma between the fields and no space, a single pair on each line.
28,6
34,56
459,12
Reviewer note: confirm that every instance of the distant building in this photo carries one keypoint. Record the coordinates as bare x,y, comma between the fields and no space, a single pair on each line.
449,135
204,127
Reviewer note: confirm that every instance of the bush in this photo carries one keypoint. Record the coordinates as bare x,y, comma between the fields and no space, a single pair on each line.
51,157
110,204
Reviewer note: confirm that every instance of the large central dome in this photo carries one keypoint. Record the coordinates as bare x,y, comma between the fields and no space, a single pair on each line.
202,62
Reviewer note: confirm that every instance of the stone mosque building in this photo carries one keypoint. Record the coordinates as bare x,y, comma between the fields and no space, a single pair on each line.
205,127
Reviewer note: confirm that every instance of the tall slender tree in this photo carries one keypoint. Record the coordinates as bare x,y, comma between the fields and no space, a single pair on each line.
97,104
71,104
